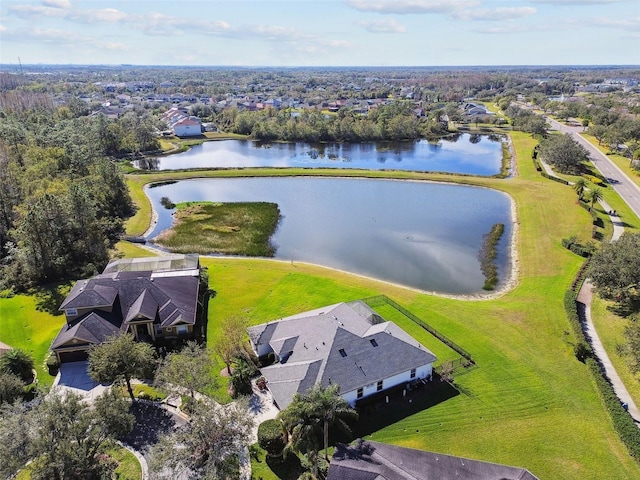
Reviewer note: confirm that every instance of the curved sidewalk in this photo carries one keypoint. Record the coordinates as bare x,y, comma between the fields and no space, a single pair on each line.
584,298
584,311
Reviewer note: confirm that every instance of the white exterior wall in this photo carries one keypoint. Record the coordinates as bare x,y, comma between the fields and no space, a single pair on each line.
421,372
187,130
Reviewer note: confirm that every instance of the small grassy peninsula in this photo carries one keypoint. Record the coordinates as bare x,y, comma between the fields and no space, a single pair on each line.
241,228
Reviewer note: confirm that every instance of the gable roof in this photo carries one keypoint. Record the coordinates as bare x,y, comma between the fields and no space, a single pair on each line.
378,461
145,306
96,296
345,344
167,297
93,329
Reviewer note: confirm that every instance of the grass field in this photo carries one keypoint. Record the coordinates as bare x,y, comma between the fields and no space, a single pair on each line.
23,326
528,402
128,466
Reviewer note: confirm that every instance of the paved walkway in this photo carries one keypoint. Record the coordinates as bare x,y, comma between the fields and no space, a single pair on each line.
584,301
584,311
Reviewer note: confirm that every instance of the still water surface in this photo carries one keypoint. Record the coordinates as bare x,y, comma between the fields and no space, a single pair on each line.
470,154
422,235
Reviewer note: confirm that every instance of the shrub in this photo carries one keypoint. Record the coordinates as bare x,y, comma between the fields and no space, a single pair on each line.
622,422
595,180
271,437
582,351
576,247
241,376
52,363
11,387
19,363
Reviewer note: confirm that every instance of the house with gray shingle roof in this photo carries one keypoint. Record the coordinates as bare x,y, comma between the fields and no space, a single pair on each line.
369,460
152,299
346,344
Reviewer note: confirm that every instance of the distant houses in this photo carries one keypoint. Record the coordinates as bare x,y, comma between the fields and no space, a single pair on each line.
347,344
473,111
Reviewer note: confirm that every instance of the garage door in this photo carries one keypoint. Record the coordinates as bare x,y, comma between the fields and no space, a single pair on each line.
77,356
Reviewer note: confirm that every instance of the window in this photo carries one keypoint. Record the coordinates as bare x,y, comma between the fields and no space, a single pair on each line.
182,330
413,373
379,385
342,352
373,342
360,393
72,312
158,329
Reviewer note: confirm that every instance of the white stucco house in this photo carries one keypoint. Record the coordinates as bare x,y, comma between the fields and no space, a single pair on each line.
187,127
346,344
181,123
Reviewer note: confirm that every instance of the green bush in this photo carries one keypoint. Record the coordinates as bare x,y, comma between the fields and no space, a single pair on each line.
52,360
582,351
622,422
271,437
576,247
52,364
19,363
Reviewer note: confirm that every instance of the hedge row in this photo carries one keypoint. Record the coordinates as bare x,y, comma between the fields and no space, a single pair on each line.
539,168
622,422
576,247
555,179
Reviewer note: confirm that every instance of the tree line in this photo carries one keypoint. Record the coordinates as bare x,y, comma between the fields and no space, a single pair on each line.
62,197
392,122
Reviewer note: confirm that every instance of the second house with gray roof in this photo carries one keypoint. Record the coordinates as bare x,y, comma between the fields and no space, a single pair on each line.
346,344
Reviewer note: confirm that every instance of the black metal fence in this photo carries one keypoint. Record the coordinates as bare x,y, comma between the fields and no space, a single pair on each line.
383,299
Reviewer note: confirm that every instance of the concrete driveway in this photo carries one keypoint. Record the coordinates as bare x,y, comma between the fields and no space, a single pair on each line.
73,377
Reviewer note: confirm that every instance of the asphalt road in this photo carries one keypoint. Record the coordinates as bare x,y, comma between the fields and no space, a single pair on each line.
620,182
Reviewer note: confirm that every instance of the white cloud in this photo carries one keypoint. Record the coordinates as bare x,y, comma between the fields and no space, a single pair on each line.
495,14
57,3
632,24
401,7
45,36
382,26
104,15
31,11
113,46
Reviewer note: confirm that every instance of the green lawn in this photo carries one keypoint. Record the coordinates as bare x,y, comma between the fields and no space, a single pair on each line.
23,326
610,328
128,466
528,402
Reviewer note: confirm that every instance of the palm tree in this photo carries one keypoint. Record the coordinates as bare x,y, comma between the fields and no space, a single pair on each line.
579,187
309,416
595,196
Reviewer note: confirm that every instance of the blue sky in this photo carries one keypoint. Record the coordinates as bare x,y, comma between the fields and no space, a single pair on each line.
321,32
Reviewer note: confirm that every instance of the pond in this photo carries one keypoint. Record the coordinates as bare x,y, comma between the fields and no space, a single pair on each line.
418,234
463,153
